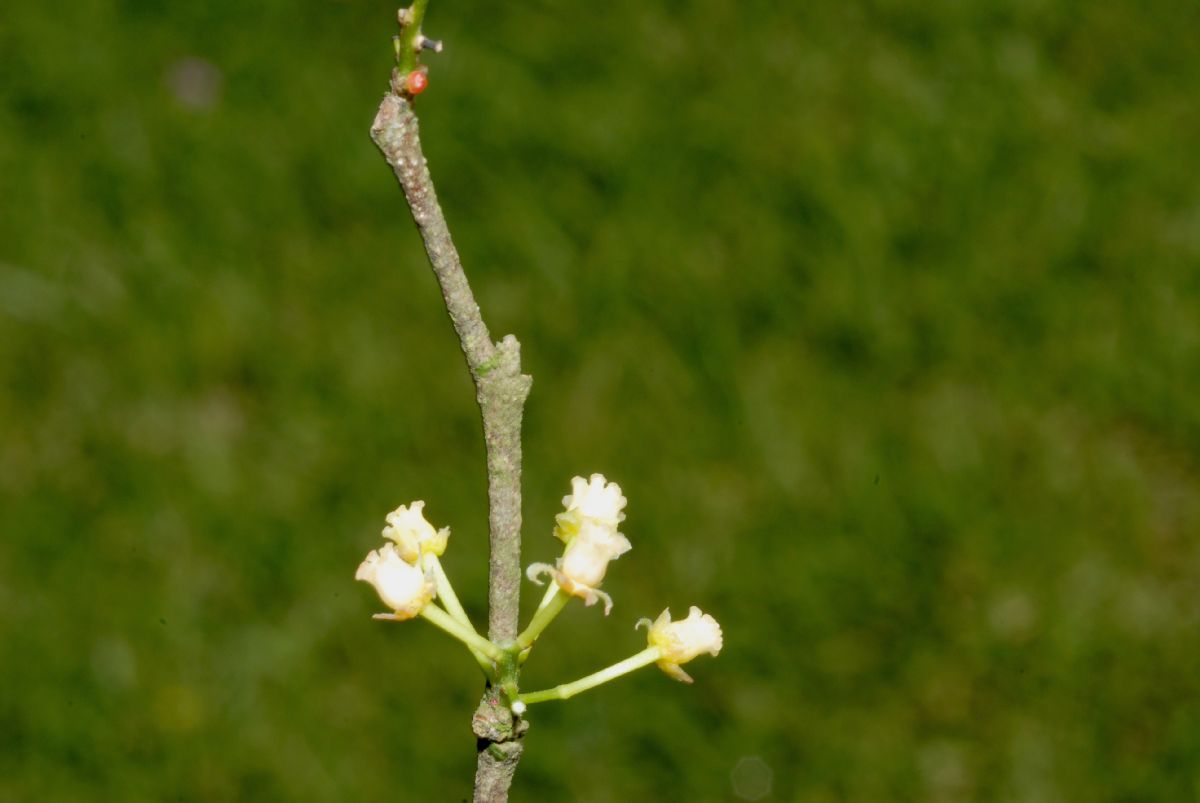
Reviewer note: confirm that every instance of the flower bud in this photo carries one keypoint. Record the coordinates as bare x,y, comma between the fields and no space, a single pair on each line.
594,500
680,642
402,586
406,525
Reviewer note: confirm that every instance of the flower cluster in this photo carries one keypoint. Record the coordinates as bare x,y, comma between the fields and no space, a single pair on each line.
407,575
396,570
588,528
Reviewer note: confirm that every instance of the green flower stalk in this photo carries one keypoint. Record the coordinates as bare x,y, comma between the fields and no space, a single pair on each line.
554,602
568,690
449,624
669,645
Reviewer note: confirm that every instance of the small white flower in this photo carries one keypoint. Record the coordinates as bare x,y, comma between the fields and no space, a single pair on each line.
414,536
584,562
402,586
680,642
588,527
586,558
594,500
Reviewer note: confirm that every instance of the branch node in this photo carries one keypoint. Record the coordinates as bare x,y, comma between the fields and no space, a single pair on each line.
494,723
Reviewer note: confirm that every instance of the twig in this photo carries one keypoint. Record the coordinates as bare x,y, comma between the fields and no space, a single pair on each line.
501,390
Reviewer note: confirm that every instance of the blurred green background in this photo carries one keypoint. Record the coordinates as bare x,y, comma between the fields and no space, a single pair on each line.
885,315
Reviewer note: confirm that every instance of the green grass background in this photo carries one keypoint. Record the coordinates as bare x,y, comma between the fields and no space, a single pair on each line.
885,315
